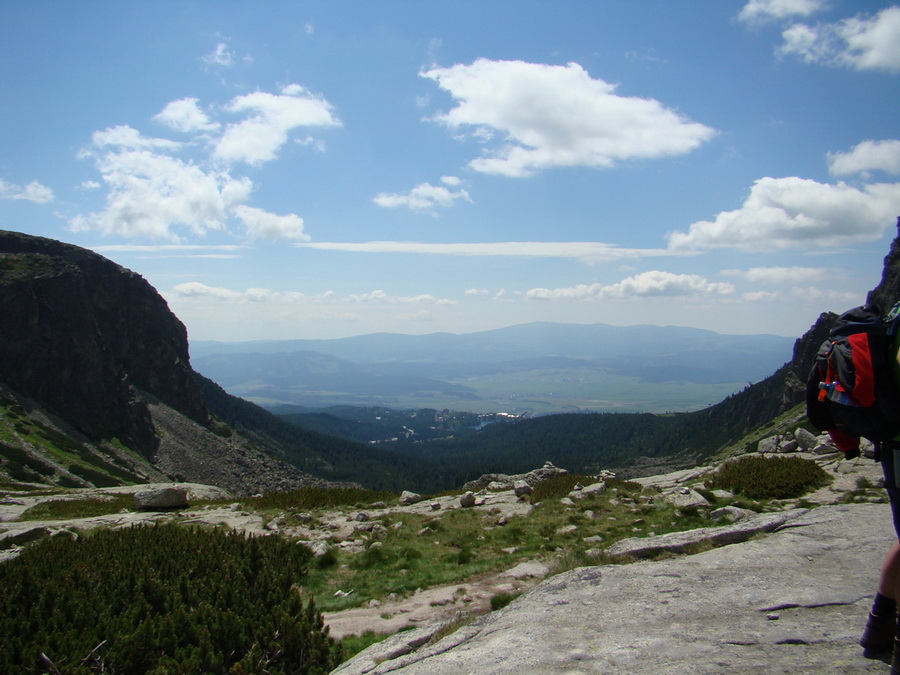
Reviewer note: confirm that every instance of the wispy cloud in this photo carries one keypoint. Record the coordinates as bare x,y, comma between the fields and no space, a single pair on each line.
584,250
425,197
784,275
222,251
195,290
380,296
556,116
221,55
757,11
33,192
860,42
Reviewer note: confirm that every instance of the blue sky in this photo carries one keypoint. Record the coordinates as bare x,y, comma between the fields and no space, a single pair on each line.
326,169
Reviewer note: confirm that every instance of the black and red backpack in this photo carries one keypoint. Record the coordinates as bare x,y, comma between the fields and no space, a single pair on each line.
852,387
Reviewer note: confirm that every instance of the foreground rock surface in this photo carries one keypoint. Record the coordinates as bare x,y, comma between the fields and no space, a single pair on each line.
793,601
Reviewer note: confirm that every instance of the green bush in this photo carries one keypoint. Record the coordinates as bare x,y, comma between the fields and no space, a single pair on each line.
161,599
314,497
759,477
501,600
558,487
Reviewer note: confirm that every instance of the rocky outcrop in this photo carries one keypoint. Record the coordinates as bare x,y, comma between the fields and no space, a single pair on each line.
794,601
161,498
91,355
887,293
502,481
84,337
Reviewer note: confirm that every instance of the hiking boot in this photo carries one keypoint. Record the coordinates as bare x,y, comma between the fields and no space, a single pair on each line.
878,637
895,661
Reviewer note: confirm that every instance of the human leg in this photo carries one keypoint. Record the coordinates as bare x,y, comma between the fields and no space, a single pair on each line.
882,633
881,627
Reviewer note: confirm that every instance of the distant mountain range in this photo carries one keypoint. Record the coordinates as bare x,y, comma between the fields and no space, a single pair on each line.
96,389
536,367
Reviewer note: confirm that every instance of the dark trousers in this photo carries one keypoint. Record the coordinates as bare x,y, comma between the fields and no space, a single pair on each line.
887,453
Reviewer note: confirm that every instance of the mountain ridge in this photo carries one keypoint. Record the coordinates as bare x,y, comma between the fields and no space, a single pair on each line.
498,342
92,362
539,367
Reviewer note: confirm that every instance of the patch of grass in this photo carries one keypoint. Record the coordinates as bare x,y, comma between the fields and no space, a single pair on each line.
64,509
78,458
18,487
863,483
351,645
463,543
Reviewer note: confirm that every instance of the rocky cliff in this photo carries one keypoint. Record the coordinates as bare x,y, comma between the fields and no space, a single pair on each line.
887,293
84,337
96,385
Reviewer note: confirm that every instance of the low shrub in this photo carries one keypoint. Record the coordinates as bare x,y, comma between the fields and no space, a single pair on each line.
558,487
314,497
161,599
758,477
501,600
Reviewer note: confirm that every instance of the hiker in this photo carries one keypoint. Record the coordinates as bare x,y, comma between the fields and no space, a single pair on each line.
882,632
851,395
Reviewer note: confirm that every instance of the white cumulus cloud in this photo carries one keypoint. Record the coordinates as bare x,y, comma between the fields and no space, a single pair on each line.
783,213
271,117
185,115
867,156
152,194
124,136
260,223
424,197
861,42
647,284
557,116
154,191
195,289
33,192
